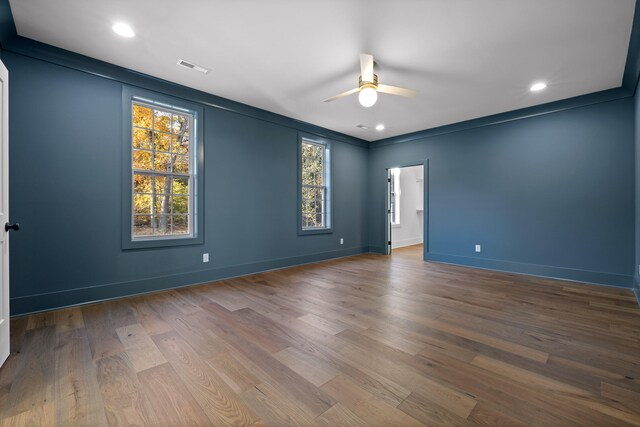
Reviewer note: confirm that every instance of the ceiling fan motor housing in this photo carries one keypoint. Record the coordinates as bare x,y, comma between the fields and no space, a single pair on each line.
373,84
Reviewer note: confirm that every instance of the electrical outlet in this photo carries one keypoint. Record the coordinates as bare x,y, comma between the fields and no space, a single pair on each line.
478,248
205,257
341,241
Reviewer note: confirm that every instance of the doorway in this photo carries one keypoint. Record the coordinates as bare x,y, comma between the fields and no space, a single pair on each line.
405,207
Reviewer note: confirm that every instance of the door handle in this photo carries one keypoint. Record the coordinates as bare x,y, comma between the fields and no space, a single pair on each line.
14,227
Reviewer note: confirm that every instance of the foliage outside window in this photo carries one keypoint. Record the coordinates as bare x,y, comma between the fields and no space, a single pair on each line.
314,158
163,176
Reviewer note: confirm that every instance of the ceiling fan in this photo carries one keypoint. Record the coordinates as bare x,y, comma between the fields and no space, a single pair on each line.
369,87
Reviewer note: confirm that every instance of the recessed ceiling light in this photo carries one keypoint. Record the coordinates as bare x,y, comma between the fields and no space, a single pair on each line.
380,127
122,29
536,87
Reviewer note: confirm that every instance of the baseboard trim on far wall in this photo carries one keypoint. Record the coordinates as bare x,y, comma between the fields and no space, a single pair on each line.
406,242
91,294
572,274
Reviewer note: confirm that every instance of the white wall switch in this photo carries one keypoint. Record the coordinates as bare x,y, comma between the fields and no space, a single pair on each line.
477,248
341,241
205,257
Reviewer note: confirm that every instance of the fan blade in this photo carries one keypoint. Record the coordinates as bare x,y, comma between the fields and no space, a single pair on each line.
394,90
342,95
366,67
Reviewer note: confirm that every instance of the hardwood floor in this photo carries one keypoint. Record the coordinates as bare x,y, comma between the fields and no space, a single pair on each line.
365,340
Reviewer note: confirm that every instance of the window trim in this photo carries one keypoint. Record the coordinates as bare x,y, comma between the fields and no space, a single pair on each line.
328,171
129,96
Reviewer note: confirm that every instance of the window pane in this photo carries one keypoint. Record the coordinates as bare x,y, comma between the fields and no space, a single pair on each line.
180,204
180,124
312,193
306,206
313,178
308,193
162,184
161,141
163,225
162,162
180,144
141,183
180,224
312,163
311,150
180,185
142,203
142,225
162,204
314,220
142,116
181,164
141,138
142,159
307,220
313,209
162,121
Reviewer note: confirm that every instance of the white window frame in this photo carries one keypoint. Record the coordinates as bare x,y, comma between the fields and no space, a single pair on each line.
153,173
327,226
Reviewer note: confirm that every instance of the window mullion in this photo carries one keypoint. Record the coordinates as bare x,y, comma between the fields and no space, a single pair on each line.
153,205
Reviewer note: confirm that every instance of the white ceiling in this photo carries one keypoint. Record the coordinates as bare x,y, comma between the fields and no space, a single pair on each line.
467,58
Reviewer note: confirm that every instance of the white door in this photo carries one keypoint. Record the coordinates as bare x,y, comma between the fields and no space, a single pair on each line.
4,213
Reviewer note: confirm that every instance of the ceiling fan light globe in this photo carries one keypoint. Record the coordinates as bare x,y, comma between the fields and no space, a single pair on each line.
367,97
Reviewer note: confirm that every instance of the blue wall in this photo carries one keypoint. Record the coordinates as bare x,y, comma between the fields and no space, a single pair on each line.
65,190
551,195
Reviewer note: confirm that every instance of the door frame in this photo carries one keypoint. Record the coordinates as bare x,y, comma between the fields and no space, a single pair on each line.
425,203
4,181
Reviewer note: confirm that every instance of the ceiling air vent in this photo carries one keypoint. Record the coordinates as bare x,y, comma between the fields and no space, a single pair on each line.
187,64
363,127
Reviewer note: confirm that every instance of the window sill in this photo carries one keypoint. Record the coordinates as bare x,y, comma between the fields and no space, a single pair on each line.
315,231
161,243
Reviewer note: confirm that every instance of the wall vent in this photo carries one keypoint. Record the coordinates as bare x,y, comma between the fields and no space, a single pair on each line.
191,65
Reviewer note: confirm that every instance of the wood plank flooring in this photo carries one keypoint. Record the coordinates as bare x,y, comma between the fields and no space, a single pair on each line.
364,340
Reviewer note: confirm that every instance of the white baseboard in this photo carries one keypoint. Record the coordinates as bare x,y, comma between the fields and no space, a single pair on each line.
406,242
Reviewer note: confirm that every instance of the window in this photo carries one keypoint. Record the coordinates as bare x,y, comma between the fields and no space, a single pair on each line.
395,196
162,183
314,178
162,172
